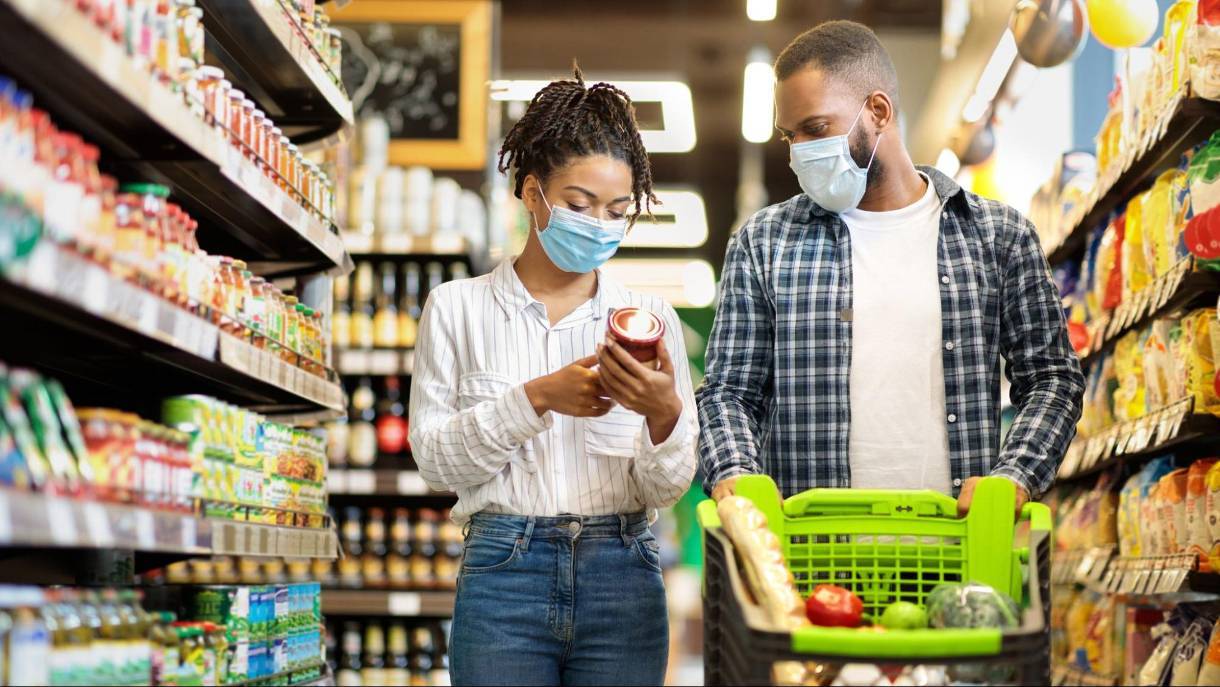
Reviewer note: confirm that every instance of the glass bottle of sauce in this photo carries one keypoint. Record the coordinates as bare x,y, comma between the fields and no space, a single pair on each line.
373,563
409,309
349,666
385,317
362,307
350,564
391,419
373,668
398,570
363,449
398,664
423,572
341,318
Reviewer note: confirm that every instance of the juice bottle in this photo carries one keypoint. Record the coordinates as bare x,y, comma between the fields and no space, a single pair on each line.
246,276
321,335
341,316
93,662
256,310
128,235
140,627
194,661
292,334
111,644
30,639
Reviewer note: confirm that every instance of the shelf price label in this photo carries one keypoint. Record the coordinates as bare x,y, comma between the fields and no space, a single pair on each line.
62,521
405,604
97,522
146,529
411,483
361,482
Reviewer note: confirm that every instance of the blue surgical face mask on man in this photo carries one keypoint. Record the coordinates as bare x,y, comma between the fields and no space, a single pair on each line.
827,172
579,243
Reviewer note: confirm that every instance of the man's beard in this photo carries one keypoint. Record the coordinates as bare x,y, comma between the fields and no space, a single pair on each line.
861,150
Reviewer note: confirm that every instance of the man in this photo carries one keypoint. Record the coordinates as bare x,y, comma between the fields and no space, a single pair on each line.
861,323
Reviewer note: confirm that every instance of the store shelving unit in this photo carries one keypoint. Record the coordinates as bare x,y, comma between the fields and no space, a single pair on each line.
1179,290
87,82
403,604
375,361
1185,123
379,482
119,331
1131,441
268,57
406,245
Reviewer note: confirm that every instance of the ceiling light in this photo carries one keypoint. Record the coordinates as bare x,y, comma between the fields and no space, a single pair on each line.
682,283
681,222
677,108
760,10
758,98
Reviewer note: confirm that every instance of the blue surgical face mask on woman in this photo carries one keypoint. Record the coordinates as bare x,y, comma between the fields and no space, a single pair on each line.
579,243
827,172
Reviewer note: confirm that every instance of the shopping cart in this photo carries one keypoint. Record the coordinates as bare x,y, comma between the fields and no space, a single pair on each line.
885,546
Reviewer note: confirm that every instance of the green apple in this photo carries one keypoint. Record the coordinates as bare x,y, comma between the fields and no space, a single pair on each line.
904,615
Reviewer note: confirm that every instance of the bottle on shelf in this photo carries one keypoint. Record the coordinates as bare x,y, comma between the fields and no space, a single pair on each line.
436,276
362,449
423,571
385,316
350,666
398,662
373,665
421,655
458,270
440,657
373,563
351,536
409,309
362,333
397,564
391,419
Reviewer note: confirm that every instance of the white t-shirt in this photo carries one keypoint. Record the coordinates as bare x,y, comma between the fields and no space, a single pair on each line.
898,438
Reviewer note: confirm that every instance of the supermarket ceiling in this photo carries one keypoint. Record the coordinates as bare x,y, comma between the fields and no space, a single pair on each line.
704,43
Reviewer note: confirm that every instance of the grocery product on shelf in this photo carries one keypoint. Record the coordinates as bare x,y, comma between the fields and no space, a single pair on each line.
311,20
139,235
247,461
380,306
234,635
394,652
402,549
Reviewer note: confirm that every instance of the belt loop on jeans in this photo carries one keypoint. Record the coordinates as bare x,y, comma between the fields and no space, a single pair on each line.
529,532
466,530
624,529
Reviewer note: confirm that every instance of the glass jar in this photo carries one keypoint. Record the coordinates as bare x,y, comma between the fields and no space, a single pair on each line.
258,120
190,30
269,147
247,130
236,121
285,164
294,172
128,234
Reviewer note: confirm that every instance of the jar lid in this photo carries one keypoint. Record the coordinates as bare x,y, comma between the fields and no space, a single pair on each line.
145,189
209,72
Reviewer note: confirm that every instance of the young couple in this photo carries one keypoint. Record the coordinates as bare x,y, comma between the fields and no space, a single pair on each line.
857,343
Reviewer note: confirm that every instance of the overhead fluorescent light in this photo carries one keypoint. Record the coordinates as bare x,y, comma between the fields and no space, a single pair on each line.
681,222
992,78
761,10
758,98
948,163
677,108
680,282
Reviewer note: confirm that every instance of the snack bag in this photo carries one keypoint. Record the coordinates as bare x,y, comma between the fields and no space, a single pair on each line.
1189,654
1197,533
1209,671
1130,396
1211,512
1129,517
1178,357
1134,265
1200,369
1153,671
1138,644
1171,492
1099,638
1158,364
1156,222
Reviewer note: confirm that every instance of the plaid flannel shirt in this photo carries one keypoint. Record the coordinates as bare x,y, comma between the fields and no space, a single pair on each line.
775,396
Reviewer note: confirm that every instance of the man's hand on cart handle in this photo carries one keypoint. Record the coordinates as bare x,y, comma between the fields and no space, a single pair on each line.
724,488
966,496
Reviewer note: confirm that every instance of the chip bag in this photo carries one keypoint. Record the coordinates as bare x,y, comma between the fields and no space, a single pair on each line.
1198,535
1171,492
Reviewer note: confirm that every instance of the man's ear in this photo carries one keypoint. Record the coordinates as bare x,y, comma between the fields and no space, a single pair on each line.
884,112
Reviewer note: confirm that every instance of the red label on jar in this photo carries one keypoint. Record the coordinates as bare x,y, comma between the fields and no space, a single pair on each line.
391,434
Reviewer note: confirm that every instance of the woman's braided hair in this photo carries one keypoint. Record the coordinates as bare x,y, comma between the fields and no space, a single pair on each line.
567,120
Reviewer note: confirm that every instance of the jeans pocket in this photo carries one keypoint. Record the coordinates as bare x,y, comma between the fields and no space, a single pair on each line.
484,553
648,551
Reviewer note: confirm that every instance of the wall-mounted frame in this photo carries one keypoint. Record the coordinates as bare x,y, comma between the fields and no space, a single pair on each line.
423,64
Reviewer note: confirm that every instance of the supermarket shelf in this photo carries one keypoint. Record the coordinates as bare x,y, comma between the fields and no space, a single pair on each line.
406,245
266,55
1160,579
1064,676
380,482
1186,122
1174,426
1082,566
375,361
1181,289
77,319
31,519
148,131
424,604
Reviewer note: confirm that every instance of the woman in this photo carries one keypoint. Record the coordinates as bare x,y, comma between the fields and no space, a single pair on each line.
557,442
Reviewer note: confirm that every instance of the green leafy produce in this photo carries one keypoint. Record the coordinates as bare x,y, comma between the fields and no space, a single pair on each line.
971,605
904,615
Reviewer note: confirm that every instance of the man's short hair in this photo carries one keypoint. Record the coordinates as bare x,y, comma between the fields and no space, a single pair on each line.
845,50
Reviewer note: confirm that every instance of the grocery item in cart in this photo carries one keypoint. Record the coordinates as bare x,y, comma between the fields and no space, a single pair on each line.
770,580
971,605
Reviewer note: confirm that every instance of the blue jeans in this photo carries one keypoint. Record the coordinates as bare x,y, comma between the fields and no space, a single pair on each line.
566,600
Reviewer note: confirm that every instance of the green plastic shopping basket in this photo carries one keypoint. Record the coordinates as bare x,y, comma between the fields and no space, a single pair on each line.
885,546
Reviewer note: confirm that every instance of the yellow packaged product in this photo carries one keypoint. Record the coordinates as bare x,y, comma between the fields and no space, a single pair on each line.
1155,223
1129,517
1129,397
1198,537
1157,363
1200,370
1152,528
1077,622
1211,511
1178,357
1134,263
1178,20
1103,656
